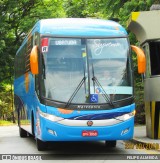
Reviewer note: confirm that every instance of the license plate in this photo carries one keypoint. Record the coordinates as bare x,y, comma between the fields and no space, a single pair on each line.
89,133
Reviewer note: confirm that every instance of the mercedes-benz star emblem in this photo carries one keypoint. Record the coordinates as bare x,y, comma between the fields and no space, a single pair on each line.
90,123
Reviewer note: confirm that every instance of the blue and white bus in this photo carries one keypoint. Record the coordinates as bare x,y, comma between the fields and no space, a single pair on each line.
74,82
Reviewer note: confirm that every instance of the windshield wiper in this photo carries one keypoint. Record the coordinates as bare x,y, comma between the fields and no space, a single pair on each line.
104,94
76,91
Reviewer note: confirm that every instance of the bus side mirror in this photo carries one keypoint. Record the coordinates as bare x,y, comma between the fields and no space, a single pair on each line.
34,60
141,59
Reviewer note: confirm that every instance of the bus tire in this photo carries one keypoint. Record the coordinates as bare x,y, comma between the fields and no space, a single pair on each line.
110,144
41,145
22,133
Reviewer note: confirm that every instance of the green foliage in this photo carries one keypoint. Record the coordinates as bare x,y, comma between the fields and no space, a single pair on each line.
132,6
5,123
6,99
139,100
17,17
84,8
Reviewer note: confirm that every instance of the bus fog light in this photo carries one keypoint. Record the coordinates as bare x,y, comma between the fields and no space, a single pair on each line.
124,131
52,132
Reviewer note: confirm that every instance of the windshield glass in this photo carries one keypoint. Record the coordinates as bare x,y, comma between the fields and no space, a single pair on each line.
109,63
70,67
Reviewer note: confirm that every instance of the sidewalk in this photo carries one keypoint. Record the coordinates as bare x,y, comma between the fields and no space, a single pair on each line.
141,138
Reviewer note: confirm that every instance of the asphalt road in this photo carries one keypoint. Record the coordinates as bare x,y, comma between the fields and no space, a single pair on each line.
11,143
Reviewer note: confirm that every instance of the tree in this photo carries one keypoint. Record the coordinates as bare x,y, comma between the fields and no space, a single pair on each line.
6,107
17,17
83,8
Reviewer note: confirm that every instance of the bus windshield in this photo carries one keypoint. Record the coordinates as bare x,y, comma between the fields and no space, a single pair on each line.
74,69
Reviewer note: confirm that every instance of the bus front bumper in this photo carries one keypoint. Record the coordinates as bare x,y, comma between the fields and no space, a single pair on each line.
57,131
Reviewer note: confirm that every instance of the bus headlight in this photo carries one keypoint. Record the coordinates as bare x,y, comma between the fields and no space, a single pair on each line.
50,117
126,116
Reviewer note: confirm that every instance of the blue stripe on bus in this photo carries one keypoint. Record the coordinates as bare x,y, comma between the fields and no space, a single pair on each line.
99,116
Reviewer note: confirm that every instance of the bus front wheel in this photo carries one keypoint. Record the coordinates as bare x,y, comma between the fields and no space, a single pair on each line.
110,144
41,145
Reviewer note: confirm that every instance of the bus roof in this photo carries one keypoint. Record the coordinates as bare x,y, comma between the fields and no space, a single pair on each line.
77,27
80,27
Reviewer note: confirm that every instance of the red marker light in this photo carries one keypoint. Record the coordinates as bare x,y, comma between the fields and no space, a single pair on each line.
44,42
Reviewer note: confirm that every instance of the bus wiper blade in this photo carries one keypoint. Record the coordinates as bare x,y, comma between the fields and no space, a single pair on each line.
105,95
75,92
